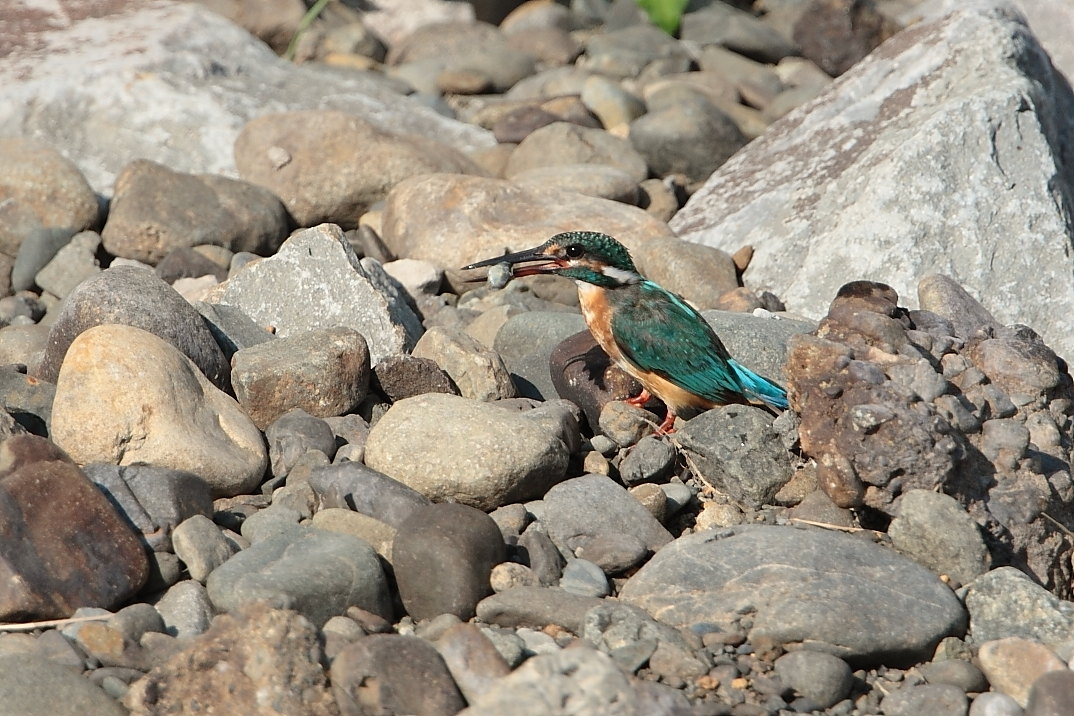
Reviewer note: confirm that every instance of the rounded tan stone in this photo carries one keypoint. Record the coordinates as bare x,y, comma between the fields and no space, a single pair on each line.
455,449
1013,664
124,396
454,219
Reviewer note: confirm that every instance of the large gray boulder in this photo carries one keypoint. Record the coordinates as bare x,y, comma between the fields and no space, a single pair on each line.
949,149
838,594
174,83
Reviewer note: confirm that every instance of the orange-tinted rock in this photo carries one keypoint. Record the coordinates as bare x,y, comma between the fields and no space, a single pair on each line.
244,662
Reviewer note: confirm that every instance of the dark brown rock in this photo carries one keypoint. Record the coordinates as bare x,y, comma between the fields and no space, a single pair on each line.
880,417
62,544
583,374
324,372
393,674
401,376
864,430
1051,693
244,662
865,313
837,33
519,123
156,210
443,555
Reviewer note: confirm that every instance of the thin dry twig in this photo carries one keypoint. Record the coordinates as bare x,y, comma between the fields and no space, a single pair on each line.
30,626
830,526
1063,528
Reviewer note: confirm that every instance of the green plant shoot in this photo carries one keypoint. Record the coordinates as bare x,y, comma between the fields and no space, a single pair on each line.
665,14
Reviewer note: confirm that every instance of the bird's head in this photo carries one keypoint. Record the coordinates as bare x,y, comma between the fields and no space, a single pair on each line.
581,255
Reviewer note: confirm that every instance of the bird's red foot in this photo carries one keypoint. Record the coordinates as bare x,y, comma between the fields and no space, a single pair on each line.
668,426
640,399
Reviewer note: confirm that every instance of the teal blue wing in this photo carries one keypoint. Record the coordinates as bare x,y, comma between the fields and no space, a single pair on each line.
661,334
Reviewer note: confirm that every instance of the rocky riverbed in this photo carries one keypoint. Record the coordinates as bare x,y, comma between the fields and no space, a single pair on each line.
267,450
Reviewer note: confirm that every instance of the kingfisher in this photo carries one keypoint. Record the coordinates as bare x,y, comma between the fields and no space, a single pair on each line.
651,333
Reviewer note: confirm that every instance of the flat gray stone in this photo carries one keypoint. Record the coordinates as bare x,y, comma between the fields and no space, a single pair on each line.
354,486
536,607
317,573
911,700
75,262
231,327
32,686
935,531
735,449
153,499
842,595
316,280
583,507
526,343
761,343
450,448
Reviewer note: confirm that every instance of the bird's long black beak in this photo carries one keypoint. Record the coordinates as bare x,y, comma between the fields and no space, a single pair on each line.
546,265
516,258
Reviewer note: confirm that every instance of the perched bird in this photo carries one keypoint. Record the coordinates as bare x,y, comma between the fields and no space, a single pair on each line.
650,332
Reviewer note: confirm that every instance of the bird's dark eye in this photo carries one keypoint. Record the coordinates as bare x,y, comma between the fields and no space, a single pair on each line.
574,251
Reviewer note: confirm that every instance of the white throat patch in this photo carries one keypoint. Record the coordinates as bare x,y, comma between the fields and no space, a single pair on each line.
620,275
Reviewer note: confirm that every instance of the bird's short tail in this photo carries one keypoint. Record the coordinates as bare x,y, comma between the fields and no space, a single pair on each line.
760,388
